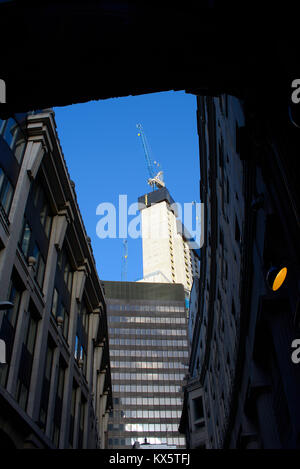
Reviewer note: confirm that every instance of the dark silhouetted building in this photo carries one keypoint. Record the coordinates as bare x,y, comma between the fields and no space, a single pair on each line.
244,385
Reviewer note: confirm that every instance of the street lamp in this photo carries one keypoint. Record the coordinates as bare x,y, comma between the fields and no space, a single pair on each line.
275,277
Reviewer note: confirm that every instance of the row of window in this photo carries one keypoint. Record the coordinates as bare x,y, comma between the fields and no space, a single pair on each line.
59,310
11,132
29,239
6,192
146,365
151,427
162,342
143,332
153,441
148,308
26,361
147,319
64,266
151,414
137,400
27,243
149,388
80,411
80,354
43,208
30,327
149,353
56,420
148,376
7,333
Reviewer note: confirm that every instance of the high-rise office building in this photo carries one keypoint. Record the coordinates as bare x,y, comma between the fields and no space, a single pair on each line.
149,356
167,253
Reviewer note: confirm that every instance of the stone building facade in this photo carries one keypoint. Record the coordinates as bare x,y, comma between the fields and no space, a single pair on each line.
55,388
243,381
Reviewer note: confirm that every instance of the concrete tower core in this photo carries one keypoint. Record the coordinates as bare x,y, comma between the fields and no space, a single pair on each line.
167,257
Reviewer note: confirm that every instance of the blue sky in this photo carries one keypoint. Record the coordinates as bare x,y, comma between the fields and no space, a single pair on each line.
105,158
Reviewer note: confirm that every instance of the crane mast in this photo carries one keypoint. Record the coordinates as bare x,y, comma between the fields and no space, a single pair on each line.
124,261
155,180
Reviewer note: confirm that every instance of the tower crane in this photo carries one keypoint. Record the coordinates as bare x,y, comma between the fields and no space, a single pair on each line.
155,180
124,261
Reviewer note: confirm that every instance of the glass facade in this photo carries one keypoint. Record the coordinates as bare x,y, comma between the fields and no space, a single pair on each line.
149,361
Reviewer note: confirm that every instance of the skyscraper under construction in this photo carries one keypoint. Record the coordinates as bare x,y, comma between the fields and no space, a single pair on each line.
148,327
167,253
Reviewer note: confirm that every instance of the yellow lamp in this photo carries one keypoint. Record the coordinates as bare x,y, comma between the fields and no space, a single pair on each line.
276,276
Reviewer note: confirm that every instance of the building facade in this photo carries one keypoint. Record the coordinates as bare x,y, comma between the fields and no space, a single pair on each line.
149,357
193,310
55,387
167,255
214,325
241,367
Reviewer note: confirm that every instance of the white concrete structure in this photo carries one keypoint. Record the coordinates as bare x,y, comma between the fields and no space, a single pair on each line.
167,256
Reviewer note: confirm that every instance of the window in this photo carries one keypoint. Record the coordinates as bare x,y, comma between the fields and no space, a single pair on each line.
59,310
42,207
6,192
46,384
65,267
8,325
65,315
18,143
198,408
31,334
2,177
82,406
25,239
45,218
221,157
39,266
80,353
237,231
24,375
73,412
56,422
14,137
227,192
7,132
32,242
68,276
54,302
233,312
84,317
